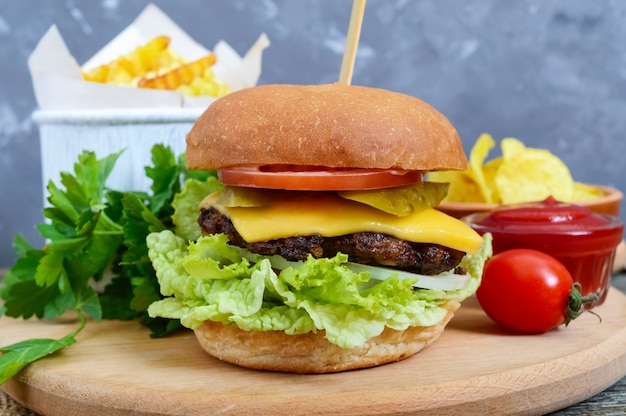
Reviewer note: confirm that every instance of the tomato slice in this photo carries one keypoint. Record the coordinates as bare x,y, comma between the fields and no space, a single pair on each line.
313,178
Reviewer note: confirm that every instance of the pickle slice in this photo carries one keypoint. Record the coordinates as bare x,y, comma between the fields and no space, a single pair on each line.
403,200
238,196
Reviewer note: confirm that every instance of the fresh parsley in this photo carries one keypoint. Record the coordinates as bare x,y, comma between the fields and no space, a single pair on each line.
95,237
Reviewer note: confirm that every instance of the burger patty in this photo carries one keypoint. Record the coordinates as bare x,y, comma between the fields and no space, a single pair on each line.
365,247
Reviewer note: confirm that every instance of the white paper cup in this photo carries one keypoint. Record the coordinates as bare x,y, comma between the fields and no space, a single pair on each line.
64,134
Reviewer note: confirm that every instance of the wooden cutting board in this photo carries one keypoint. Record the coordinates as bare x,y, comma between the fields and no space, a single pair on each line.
474,368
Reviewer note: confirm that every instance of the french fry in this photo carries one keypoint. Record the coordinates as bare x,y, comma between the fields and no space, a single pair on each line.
155,65
206,85
98,74
144,59
148,57
182,75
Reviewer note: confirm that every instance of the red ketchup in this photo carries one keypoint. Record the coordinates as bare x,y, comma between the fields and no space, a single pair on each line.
582,240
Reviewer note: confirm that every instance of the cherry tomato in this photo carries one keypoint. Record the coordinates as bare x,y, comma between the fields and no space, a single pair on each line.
298,178
528,291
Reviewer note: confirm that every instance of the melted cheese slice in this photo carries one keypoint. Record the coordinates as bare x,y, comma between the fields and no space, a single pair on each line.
330,215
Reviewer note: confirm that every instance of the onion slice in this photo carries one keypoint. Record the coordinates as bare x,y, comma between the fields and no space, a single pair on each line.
443,281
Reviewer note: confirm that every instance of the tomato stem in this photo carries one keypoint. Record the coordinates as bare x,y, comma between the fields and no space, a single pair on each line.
575,302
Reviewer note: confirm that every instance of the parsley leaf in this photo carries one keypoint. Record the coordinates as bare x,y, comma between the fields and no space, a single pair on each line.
17,356
95,260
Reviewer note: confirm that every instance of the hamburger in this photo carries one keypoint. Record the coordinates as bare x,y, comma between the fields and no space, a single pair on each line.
319,249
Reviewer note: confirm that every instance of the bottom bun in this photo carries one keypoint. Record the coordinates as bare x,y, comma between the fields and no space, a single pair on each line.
312,352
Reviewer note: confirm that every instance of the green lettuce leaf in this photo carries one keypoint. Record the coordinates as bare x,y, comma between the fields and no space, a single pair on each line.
186,203
211,280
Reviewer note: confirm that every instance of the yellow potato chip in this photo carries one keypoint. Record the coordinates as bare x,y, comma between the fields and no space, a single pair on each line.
529,174
584,192
511,148
462,187
489,173
477,158
522,174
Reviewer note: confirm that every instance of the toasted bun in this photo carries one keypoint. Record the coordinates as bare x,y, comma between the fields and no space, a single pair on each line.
312,352
324,125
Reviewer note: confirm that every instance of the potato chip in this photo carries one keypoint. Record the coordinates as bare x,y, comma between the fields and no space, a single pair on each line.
476,160
489,173
583,192
529,174
462,187
522,174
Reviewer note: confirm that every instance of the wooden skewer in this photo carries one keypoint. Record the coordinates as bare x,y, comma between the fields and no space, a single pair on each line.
352,42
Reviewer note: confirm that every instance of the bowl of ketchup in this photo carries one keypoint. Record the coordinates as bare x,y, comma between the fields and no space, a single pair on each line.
583,240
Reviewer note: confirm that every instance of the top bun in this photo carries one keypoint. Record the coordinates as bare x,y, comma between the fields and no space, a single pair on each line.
329,125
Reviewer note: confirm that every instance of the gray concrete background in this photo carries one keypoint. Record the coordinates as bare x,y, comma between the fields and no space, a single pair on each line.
549,72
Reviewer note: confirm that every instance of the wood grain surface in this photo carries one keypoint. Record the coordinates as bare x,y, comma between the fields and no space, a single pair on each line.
475,368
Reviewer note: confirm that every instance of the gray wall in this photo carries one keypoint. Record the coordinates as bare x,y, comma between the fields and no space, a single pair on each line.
549,72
